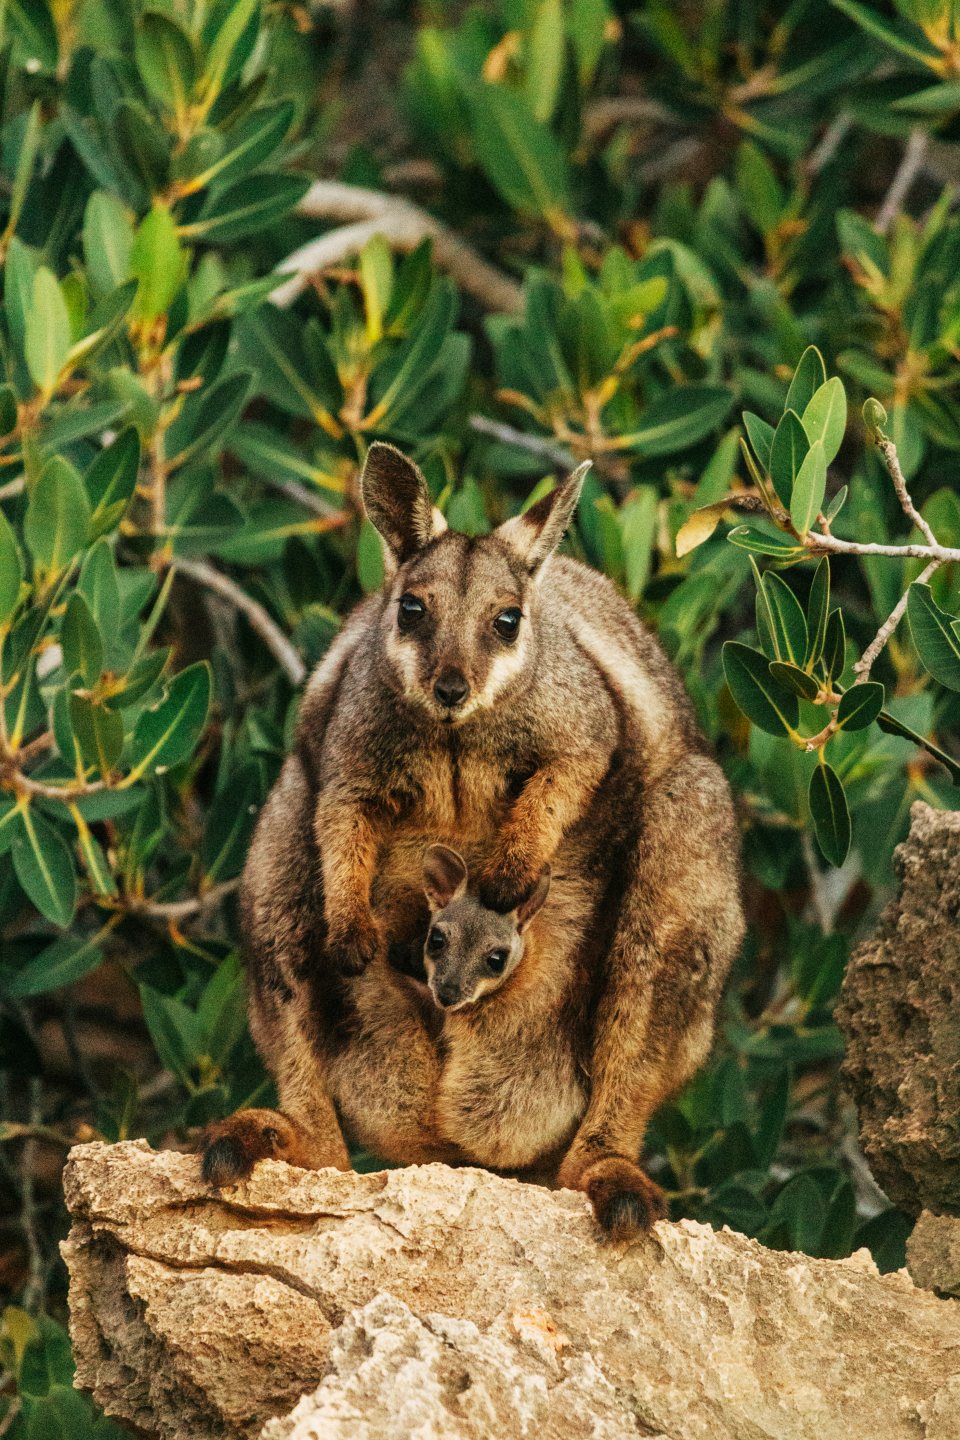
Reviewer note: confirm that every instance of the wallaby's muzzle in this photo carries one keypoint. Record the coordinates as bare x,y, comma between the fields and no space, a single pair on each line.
451,688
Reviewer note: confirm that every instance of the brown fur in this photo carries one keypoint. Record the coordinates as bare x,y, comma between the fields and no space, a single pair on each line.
575,746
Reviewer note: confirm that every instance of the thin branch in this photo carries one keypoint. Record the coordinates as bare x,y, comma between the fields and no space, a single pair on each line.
269,632
33,1291
900,485
182,909
13,779
404,225
7,492
299,493
907,171
537,446
862,667
829,545
833,138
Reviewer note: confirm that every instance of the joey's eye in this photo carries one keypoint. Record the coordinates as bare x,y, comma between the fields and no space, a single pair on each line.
411,610
497,961
507,623
436,941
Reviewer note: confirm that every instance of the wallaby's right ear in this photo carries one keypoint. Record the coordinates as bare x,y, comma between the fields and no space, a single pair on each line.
535,535
397,501
444,876
534,902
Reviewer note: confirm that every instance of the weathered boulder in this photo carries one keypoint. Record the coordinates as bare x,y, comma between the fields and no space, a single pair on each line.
455,1305
933,1253
899,1009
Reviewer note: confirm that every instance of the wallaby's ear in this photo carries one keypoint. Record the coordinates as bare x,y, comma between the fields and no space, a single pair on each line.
444,876
397,501
534,902
535,535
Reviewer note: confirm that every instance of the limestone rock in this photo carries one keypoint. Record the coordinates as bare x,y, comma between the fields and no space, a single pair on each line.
456,1305
899,1013
933,1253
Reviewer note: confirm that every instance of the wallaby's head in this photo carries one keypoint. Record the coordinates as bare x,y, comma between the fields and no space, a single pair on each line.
457,631
470,950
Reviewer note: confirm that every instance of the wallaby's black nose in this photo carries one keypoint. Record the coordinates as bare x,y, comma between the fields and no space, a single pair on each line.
451,688
447,995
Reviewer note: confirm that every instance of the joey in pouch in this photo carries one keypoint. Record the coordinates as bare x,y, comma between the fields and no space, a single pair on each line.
502,700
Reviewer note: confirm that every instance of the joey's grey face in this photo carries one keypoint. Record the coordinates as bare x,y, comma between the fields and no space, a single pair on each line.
469,952
458,625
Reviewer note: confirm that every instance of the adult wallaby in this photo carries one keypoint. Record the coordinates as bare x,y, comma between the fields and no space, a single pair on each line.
506,700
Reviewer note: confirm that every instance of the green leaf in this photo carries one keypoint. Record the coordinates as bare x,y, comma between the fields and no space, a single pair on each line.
11,571
933,100
98,731
81,643
8,409
103,326
225,29
166,735
369,559
57,519
791,678
94,860
762,700
547,53
249,144
786,619
159,262
207,416
885,1236
36,31
230,824
680,417
174,1030
419,349
638,521
98,586
107,242
834,648
818,614
144,145
166,61
860,706
892,726
771,1118
761,437
936,636
269,453
808,377
881,29
520,154
787,454
800,1208
759,543
44,867
250,205
809,488
140,678
831,817
25,162
60,964
47,335
825,418
111,480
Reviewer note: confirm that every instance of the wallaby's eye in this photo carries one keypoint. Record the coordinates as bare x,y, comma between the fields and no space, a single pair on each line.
507,623
497,961
411,610
436,941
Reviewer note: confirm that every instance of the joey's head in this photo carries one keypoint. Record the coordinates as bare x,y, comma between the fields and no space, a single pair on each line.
470,951
459,625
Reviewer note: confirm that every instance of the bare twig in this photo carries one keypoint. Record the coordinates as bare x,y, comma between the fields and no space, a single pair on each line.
7,492
182,909
862,667
12,779
900,485
907,171
11,1415
269,632
310,501
829,545
832,139
534,443
33,1290
404,225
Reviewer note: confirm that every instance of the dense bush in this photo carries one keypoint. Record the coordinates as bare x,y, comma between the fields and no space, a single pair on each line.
727,221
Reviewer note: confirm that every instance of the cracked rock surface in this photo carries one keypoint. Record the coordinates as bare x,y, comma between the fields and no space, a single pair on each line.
454,1305
901,997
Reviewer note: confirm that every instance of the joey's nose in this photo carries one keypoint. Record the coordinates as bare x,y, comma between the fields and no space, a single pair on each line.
447,995
451,688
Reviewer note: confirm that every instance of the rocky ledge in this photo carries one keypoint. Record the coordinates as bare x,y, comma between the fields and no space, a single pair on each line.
453,1305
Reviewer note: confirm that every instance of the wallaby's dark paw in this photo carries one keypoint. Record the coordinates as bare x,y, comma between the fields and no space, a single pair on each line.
625,1200
232,1147
351,954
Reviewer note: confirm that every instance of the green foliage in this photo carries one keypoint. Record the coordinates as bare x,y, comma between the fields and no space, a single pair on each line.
705,336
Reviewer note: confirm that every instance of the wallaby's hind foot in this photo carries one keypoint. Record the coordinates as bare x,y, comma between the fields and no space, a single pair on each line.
233,1146
625,1201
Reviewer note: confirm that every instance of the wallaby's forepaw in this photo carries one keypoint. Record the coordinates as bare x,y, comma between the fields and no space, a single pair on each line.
232,1147
352,951
624,1199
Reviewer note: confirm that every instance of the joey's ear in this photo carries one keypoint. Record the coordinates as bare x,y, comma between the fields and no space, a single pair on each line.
534,902
444,876
397,501
535,535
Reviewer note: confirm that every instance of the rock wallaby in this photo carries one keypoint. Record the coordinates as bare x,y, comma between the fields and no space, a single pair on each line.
503,700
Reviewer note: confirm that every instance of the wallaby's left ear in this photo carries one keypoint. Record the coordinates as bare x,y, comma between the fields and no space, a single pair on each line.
535,535
534,902
444,876
397,501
